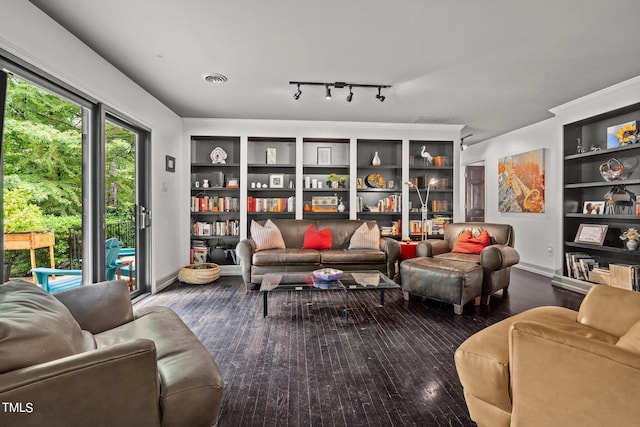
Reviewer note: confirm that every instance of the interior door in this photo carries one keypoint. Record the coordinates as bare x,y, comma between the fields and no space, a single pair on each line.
474,194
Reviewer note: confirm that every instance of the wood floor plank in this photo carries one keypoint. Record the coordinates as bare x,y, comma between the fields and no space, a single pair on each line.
306,364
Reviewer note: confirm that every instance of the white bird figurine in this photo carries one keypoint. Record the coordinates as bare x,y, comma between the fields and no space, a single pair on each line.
425,155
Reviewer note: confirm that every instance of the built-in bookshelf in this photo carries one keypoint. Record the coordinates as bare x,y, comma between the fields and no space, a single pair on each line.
271,167
215,195
325,178
379,184
430,162
596,211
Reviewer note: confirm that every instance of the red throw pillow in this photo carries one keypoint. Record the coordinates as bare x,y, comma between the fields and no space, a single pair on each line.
314,239
467,244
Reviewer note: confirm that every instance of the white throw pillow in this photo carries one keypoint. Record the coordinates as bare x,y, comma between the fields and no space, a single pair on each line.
267,236
365,237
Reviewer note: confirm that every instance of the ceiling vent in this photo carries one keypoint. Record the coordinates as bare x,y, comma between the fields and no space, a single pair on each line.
214,78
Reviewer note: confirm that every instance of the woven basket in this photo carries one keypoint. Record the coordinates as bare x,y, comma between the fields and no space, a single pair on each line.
199,274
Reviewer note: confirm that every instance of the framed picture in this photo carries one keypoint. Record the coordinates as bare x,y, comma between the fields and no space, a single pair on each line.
593,208
233,183
170,163
592,234
271,156
622,134
324,155
276,180
359,183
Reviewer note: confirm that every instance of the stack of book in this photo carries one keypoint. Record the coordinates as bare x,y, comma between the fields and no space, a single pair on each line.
580,264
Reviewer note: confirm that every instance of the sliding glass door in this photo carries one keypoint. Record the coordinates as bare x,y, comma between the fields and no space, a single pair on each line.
74,175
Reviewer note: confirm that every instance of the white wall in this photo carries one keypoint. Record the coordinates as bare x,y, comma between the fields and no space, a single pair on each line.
31,35
535,232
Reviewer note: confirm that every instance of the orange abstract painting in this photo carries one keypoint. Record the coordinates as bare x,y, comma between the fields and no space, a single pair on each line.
521,182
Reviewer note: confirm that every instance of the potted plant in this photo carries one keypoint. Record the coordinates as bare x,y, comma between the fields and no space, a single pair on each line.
631,238
336,181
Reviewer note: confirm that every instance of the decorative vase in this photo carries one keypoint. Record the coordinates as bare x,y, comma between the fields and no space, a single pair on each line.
376,160
632,245
341,206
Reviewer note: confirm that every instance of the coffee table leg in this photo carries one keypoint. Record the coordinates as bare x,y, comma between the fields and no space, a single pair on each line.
381,297
264,309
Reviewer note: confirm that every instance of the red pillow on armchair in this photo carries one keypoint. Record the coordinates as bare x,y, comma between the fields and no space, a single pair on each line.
467,244
314,239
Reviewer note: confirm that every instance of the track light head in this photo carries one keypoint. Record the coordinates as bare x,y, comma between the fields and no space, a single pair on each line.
379,96
327,93
350,96
296,95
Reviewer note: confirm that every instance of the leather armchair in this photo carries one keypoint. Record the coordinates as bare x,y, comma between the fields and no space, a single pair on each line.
496,259
85,357
551,366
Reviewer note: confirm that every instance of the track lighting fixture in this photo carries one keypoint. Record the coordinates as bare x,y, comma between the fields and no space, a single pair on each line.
339,85
350,96
327,92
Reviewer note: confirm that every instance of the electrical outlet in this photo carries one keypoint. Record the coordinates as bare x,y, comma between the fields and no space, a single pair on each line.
550,250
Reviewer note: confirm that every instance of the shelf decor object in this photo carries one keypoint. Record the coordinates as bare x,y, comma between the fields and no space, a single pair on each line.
622,134
376,160
612,169
218,156
592,234
324,156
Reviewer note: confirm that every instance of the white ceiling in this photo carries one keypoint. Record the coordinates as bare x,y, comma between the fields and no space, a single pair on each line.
493,65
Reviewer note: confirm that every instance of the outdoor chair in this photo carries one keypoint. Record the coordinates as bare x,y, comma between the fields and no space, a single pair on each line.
74,277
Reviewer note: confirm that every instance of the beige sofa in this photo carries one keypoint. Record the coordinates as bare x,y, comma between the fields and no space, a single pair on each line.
84,357
255,264
551,366
496,259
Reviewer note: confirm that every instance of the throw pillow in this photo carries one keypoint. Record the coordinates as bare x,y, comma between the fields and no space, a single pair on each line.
365,237
266,236
34,327
631,340
314,239
467,244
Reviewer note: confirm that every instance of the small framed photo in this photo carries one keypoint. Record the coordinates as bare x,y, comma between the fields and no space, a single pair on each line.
233,183
271,156
170,163
592,234
594,207
359,183
276,180
324,155
390,183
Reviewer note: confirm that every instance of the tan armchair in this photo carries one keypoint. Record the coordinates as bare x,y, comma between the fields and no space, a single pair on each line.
496,259
551,366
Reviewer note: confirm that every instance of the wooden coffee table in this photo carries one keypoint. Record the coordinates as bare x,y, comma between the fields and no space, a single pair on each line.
367,280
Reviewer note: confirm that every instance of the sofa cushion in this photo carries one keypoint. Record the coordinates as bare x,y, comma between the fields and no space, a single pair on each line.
35,327
352,256
286,257
317,239
365,237
455,256
266,236
467,243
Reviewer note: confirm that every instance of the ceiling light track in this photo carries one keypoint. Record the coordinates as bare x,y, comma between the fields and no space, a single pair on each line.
339,85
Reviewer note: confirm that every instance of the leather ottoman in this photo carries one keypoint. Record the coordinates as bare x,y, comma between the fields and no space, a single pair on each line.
453,282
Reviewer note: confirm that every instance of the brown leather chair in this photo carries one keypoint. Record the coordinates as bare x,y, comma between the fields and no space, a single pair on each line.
85,357
496,259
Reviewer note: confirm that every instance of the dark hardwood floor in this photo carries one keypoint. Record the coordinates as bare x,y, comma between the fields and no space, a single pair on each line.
307,364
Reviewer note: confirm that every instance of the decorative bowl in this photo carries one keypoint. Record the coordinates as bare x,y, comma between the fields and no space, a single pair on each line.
328,274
